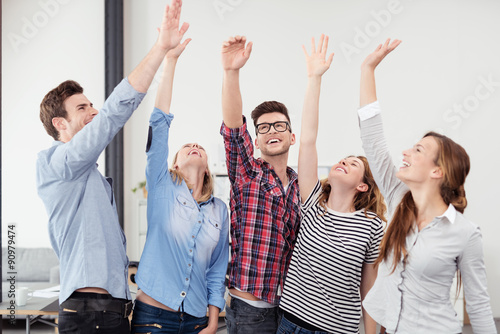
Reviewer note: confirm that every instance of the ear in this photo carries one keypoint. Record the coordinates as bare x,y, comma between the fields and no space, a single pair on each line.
437,173
256,143
59,123
292,139
362,187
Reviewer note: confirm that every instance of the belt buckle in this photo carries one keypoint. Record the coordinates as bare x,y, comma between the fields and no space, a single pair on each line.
127,309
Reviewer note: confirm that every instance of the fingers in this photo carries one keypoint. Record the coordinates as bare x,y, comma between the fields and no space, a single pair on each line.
313,46
330,59
185,43
184,28
320,44
325,49
305,51
248,50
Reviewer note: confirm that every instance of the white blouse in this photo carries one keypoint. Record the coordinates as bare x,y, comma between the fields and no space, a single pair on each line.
416,299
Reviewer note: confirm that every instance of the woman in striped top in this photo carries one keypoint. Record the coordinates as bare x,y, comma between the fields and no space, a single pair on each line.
341,229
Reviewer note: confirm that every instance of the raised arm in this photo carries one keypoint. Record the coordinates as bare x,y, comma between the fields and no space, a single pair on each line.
234,57
169,37
372,133
368,92
164,94
317,65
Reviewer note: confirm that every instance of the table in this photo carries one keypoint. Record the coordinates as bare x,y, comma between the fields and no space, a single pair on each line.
34,309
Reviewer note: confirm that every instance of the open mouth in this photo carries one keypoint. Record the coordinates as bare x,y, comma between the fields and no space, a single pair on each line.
192,152
405,164
340,169
273,141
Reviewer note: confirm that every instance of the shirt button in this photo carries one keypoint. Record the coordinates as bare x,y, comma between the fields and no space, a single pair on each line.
184,203
183,294
192,236
189,264
190,251
187,279
199,221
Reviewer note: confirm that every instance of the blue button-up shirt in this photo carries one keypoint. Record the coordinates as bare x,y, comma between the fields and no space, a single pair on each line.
187,245
83,224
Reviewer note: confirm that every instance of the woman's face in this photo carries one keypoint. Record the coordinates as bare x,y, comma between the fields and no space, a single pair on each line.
348,172
191,155
419,162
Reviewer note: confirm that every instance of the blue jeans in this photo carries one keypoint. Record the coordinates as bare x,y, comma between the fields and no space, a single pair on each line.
242,318
288,327
151,319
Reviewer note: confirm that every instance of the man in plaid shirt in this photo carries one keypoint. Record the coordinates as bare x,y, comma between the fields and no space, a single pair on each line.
265,202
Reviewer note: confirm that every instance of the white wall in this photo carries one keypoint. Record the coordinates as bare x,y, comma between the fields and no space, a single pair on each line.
450,48
43,43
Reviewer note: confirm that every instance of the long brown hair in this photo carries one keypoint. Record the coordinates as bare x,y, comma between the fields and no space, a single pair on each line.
455,164
208,183
370,200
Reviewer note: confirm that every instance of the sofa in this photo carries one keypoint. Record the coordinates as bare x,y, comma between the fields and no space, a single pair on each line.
32,266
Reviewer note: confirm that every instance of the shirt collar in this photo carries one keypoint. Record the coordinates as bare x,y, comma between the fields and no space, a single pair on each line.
205,202
450,213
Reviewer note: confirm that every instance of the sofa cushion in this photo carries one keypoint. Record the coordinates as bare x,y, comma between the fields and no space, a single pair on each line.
31,264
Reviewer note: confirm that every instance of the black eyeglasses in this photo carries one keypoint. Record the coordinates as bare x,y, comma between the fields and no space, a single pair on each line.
280,126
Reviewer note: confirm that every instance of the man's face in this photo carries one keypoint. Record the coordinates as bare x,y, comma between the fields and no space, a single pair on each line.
274,143
80,112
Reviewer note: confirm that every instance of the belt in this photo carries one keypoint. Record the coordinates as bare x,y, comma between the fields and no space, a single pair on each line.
124,308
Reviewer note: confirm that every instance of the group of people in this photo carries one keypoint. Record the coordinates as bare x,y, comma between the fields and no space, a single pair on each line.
301,261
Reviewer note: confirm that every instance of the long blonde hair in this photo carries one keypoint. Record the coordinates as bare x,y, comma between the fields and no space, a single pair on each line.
370,200
208,183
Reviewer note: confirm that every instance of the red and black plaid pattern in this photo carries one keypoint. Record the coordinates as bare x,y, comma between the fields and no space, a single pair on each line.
264,218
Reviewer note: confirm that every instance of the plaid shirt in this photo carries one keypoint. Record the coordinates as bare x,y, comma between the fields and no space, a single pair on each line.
264,218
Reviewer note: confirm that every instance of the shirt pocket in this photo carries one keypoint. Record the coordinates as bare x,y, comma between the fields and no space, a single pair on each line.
213,228
185,208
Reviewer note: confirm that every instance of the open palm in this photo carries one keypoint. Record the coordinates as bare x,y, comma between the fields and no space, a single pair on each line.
234,53
317,64
374,58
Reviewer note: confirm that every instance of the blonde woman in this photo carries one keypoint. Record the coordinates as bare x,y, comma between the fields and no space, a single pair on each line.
183,265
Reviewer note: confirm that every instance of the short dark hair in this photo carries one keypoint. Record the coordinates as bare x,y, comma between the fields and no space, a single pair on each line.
268,107
53,105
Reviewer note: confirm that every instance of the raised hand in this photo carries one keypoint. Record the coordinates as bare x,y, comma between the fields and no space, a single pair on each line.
177,51
374,58
317,64
170,35
234,53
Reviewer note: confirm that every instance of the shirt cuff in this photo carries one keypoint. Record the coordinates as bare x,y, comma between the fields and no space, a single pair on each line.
229,133
158,115
368,111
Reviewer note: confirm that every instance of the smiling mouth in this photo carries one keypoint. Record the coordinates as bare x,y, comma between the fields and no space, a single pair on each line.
405,164
273,141
341,170
195,152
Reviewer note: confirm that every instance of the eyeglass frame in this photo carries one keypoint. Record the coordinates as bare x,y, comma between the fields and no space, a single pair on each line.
288,127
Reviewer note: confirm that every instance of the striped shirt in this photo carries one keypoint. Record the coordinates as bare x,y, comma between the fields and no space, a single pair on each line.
264,218
322,286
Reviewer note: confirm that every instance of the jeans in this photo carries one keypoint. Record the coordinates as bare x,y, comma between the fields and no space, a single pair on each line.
150,319
86,322
288,327
242,318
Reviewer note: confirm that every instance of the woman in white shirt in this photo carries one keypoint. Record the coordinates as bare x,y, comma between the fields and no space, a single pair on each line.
341,228
428,239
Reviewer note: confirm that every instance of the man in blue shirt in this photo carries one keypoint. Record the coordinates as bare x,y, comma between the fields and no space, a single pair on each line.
83,222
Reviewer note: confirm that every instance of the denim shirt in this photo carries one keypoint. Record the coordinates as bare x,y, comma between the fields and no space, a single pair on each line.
187,245
83,224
